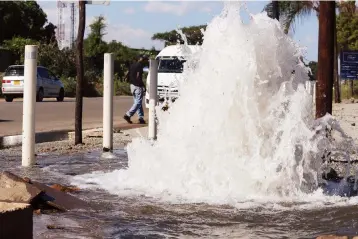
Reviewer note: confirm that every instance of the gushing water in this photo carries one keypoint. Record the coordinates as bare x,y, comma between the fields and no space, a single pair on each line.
241,129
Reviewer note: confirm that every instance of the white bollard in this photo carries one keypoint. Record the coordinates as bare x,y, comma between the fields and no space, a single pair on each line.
29,101
153,92
314,91
307,86
108,102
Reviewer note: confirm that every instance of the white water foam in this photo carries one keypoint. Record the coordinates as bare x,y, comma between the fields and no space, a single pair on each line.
241,129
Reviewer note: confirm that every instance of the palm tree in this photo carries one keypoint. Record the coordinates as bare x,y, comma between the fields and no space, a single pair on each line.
275,10
291,11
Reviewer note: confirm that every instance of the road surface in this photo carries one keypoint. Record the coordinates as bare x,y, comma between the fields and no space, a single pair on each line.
52,115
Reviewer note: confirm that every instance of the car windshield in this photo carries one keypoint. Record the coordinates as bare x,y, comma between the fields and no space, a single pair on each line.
171,65
15,71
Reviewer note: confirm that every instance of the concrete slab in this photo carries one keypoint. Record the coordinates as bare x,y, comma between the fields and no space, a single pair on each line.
16,189
16,220
61,200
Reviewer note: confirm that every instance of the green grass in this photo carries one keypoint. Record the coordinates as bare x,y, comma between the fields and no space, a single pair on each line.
346,92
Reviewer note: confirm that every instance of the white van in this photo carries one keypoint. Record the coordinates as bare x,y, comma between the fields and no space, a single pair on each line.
170,69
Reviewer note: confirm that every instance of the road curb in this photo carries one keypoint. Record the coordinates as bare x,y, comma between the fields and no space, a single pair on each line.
41,137
50,136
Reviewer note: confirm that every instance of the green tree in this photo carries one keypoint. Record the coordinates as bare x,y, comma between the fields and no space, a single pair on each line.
123,56
24,19
313,66
94,43
94,49
193,34
347,29
347,26
17,46
61,62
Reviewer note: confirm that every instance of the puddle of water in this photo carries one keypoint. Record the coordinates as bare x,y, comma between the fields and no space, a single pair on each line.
145,217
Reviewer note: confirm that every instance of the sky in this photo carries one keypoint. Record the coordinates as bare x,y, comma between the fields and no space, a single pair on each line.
134,22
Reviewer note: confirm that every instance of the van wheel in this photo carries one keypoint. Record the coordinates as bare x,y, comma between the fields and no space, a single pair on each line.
40,95
9,98
61,95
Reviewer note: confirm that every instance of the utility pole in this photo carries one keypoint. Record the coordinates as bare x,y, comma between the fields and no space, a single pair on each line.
325,58
276,10
80,72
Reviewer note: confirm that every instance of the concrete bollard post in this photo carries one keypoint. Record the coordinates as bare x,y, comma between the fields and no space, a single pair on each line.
309,87
314,91
153,95
108,102
29,101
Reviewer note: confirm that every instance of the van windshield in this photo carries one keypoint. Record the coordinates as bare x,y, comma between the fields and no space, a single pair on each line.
15,71
173,65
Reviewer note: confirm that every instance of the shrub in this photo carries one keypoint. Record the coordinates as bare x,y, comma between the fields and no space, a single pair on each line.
70,86
122,88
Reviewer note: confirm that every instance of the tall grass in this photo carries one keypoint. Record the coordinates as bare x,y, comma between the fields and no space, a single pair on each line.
346,92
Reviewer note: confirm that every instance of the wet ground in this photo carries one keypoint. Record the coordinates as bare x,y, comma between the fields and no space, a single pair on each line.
125,217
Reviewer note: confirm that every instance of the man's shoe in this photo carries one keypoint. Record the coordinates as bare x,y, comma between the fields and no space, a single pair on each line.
142,121
128,119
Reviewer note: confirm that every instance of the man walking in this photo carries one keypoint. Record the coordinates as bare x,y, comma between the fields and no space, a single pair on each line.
137,88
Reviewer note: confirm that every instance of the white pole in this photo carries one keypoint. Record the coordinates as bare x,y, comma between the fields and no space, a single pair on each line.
29,101
108,102
314,92
153,85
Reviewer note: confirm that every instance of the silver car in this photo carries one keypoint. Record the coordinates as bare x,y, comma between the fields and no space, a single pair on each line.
48,85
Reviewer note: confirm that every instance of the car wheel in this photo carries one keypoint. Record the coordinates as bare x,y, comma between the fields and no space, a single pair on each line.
40,95
9,98
61,95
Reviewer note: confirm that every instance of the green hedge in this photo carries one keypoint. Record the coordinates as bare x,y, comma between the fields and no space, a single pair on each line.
95,89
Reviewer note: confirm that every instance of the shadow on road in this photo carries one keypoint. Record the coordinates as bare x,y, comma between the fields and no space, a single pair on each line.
45,101
3,120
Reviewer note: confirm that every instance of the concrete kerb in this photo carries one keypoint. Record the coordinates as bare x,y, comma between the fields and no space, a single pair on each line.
42,137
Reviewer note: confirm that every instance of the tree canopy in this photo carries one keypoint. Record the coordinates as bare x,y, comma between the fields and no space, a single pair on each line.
347,26
94,43
193,34
313,66
24,19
